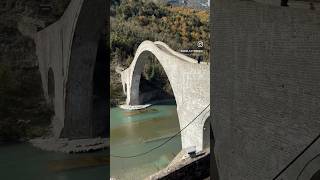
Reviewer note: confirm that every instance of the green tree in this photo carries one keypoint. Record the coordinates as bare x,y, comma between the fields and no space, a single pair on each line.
178,37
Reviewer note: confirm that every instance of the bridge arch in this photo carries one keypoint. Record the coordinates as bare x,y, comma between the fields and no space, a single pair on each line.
189,82
206,131
163,54
135,90
88,39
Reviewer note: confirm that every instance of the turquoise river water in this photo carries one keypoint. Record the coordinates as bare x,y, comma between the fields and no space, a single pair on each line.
134,132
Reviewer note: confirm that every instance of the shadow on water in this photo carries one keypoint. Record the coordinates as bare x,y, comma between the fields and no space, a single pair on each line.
23,161
84,162
166,102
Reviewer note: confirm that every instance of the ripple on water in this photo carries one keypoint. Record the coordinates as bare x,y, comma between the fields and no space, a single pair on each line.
137,131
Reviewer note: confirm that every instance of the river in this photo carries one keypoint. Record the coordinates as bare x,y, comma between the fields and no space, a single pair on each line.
25,162
132,132
135,132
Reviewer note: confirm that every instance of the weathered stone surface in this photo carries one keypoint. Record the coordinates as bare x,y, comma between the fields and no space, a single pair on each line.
265,90
189,81
299,4
72,48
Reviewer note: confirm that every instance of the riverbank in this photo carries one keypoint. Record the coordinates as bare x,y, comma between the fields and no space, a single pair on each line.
71,146
185,167
148,104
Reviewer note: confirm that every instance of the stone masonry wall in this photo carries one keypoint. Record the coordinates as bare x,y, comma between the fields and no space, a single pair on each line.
265,90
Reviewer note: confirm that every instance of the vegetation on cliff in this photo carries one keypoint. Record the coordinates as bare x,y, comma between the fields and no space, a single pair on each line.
23,111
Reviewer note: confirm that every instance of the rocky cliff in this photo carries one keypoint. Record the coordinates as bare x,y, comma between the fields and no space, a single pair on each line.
23,111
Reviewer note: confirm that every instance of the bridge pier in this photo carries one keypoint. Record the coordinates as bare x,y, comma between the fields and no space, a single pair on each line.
72,50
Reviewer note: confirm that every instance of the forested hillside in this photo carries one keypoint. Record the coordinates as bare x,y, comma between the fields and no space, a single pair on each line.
134,21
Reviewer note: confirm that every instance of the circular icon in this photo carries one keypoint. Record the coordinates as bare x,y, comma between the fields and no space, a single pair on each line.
200,44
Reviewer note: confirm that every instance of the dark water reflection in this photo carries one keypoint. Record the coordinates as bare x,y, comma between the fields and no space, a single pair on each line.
24,162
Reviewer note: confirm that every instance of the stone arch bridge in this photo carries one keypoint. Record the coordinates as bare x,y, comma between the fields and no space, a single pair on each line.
73,65
190,84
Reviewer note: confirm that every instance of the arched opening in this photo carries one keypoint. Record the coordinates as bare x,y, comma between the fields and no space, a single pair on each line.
206,133
154,86
316,176
100,92
214,173
51,88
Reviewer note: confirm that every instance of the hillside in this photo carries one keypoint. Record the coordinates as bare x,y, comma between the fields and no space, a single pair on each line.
134,21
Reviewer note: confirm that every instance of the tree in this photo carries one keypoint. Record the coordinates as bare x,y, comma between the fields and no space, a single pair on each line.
126,12
178,37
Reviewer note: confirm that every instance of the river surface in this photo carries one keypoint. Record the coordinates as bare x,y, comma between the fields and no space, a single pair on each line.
25,162
135,132
132,132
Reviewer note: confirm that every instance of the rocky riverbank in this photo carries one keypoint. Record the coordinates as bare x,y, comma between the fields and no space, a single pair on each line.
71,146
